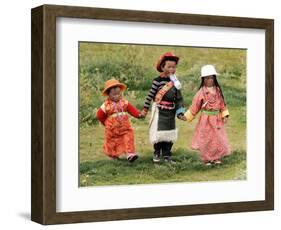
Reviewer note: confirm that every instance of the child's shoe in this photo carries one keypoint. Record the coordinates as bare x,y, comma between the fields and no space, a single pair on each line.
217,162
169,160
132,157
156,158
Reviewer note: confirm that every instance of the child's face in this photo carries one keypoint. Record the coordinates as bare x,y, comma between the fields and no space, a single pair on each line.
114,93
209,81
169,67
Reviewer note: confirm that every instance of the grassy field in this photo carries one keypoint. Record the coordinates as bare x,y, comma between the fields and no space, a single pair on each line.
134,65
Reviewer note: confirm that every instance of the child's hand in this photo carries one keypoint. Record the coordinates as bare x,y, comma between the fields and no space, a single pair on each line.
143,113
182,117
141,116
225,119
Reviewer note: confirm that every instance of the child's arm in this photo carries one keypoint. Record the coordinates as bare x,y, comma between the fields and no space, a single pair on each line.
179,106
101,115
195,107
133,111
151,95
224,111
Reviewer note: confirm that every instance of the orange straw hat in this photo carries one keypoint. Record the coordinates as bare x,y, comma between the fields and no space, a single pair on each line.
164,57
112,83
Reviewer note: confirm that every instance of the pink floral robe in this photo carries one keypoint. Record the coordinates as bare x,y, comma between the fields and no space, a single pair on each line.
210,136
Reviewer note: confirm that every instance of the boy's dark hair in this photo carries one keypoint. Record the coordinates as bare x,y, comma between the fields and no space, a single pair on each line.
216,84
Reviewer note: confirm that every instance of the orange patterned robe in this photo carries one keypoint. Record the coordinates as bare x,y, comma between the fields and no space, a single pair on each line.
119,135
210,137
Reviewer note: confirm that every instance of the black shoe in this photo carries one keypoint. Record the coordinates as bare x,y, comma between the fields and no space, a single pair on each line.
132,157
208,163
169,160
156,158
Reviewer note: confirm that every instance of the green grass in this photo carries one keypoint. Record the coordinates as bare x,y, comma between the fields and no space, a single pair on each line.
97,169
187,169
134,66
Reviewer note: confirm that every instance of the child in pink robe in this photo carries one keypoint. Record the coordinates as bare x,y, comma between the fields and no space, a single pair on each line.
210,136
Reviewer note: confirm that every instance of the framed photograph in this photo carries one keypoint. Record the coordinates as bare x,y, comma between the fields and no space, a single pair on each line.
139,114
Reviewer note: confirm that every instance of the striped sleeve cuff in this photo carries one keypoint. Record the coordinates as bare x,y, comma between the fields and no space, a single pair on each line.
189,116
180,110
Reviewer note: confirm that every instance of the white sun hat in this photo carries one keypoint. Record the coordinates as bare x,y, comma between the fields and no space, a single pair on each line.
208,70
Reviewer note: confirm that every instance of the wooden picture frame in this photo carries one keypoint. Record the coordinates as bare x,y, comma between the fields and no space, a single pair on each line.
43,189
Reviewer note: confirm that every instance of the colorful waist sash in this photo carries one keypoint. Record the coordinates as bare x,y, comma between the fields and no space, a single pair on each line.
210,112
166,105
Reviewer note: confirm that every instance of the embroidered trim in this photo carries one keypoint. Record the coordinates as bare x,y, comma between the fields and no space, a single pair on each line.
163,91
166,107
103,108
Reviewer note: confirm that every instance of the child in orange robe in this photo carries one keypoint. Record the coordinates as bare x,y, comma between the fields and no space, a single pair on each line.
113,114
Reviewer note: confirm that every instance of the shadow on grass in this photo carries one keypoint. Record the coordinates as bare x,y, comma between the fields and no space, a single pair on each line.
144,171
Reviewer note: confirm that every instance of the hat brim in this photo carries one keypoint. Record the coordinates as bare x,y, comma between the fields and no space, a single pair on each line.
217,74
123,87
172,58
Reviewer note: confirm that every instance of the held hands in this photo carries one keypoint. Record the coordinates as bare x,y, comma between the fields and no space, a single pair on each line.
143,113
182,117
141,116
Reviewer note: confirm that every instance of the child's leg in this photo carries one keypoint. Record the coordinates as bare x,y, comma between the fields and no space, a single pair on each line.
157,152
166,149
109,149
157,148
129,142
